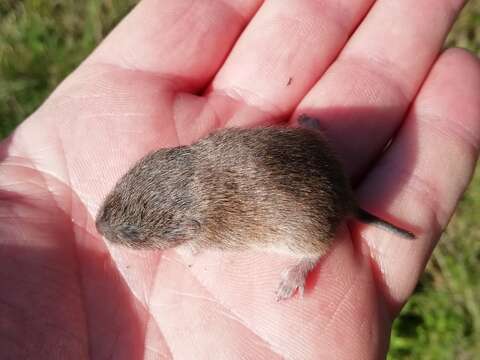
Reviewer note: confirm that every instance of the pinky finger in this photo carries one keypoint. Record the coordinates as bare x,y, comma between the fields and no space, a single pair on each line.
422,176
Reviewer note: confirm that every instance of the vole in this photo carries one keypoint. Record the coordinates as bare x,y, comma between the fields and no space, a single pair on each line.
275,188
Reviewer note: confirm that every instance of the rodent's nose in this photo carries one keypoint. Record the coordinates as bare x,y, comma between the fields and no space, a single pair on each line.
99,221
106,231
101,226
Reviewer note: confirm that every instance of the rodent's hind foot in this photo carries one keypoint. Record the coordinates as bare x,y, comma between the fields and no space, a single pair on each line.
288,286
293,278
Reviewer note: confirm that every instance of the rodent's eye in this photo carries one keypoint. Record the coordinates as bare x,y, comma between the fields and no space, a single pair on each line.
128,232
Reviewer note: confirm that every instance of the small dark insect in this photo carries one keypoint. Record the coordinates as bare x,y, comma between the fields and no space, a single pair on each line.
290,80
279,189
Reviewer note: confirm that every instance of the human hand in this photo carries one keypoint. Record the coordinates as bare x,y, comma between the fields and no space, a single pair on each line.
67,295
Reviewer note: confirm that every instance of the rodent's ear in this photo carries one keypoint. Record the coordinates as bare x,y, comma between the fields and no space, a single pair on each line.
194,225
307,122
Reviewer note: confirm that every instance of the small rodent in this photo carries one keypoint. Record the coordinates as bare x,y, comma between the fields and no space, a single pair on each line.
275,188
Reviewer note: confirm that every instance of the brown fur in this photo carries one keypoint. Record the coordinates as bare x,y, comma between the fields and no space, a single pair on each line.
275,188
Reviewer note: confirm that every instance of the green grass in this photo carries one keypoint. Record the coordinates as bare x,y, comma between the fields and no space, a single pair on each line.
41,41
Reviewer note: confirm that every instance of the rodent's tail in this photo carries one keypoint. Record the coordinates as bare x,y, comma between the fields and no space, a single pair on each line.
368,218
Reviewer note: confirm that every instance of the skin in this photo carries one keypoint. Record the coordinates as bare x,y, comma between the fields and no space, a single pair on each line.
67,295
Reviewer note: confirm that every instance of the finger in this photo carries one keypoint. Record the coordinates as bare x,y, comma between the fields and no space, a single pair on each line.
422,176
365,93
284,50
178,40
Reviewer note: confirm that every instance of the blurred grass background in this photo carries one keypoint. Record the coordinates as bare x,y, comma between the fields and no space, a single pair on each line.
41,41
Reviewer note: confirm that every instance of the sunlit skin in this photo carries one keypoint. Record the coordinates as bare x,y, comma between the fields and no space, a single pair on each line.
67,295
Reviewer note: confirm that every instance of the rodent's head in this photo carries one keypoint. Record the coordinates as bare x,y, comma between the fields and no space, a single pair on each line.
150,206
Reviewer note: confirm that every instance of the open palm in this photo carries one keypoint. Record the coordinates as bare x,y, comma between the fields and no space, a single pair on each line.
173,71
